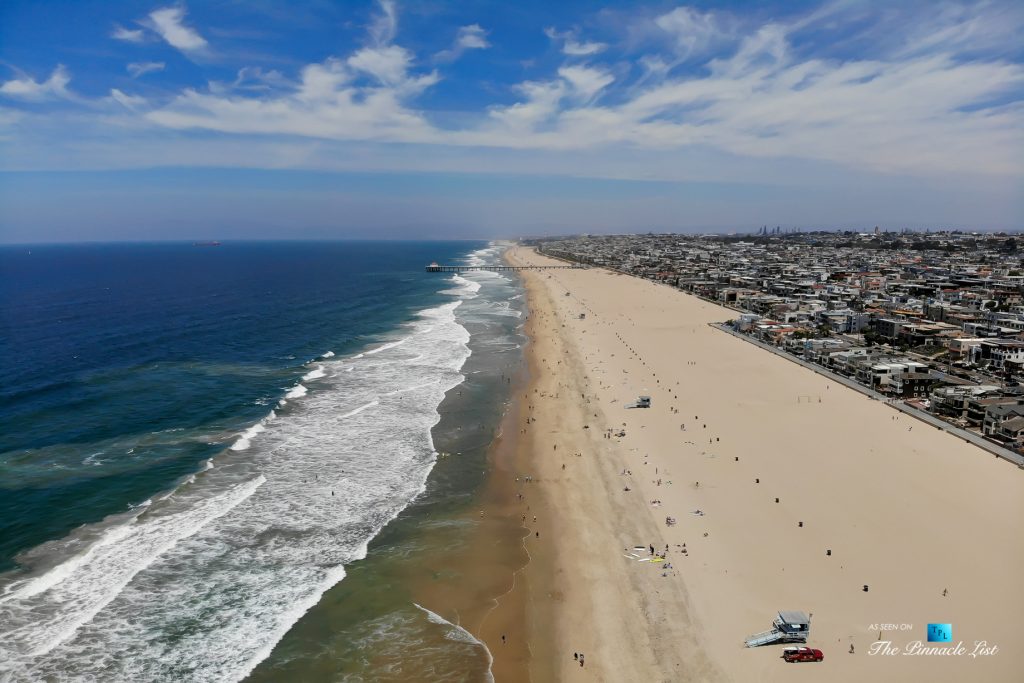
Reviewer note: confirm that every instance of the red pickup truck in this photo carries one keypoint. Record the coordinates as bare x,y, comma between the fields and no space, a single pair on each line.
802,654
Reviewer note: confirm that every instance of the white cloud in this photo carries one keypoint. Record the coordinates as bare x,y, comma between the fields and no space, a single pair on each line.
132,102
322,81
573,47
692,32
541,105
471,37
253,78
127,35
136,69
577,49
759,93
329,101
167,22
385,25
27,88
587,82
764,50
386,64
759,101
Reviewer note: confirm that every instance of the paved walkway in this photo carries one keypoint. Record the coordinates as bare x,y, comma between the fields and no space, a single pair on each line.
979,441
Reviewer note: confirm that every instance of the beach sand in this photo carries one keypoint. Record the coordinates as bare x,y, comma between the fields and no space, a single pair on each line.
906,509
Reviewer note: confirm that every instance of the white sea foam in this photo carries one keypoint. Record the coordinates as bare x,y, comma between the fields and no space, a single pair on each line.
412,388
469,285
298,391
315,373
459,634
359,409
50,609
466,288
203,584
384,347
246,437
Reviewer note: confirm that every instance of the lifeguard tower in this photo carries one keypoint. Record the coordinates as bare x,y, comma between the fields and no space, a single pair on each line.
789,627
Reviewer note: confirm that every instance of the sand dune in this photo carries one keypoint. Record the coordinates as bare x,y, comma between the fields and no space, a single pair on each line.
905,509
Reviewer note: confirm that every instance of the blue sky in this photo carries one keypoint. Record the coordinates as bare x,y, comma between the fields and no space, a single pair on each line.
149,120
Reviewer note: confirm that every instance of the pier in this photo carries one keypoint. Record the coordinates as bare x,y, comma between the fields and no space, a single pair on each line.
435,268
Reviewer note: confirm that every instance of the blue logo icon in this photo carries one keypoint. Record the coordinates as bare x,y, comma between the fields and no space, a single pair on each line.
940,633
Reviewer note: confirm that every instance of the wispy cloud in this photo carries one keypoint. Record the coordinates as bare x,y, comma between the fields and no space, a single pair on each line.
691,32
168,23
132,102
384,26
127,35
136,69
578,49
26,88
361,97
586,82
572,46
252,78
931,97
472,37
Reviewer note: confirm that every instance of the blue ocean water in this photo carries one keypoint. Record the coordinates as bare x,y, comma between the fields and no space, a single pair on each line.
122,367
196,440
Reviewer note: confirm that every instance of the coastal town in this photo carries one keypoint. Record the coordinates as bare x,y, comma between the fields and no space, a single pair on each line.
930,321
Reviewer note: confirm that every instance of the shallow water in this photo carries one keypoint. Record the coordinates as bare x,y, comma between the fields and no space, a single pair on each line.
369,627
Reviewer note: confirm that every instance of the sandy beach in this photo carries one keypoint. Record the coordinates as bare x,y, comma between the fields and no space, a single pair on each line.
783,467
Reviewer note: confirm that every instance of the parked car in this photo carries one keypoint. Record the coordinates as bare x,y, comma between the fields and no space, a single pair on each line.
802,654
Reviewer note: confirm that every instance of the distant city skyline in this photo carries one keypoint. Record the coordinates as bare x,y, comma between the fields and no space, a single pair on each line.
483,119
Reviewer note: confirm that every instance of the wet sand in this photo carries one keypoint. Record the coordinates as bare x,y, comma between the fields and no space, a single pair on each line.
905,509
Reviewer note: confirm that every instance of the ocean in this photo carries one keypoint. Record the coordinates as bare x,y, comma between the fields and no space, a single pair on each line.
200,442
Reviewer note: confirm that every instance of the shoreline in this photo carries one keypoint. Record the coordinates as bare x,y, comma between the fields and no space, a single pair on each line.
866,493
412,608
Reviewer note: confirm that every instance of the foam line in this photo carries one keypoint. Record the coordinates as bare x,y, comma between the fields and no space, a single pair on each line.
460,634
77,589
